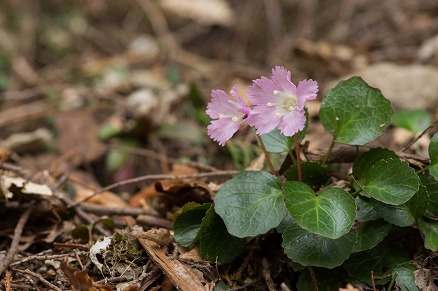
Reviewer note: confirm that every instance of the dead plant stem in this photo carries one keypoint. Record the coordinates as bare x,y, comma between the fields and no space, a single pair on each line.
16,239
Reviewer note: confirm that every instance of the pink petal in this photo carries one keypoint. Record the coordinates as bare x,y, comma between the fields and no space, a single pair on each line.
281,78
262,91
220,104
221,130
306,90
263,118
292,123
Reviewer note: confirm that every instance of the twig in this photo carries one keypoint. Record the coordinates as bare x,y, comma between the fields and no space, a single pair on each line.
155,221
8,281
38,257
39,277
109,210
267,276
154,177
419,136
372,281
81,213
16,239
71,245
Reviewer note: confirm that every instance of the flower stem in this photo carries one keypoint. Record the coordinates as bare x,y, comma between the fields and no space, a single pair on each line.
312,275
297,150
328,153
422,170
268,159
355,193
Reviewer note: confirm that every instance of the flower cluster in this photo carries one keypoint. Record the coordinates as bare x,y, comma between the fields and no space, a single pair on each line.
275,102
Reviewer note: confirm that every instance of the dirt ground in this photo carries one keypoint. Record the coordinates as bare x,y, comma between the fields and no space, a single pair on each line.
107,98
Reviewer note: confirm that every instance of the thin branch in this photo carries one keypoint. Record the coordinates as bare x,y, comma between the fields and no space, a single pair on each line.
39,277
110,210
419,136
16,239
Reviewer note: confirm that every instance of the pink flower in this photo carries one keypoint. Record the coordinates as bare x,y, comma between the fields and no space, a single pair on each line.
278,102
228,114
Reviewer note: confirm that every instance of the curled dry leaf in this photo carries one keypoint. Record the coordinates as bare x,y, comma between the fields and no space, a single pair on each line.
180,190
9,185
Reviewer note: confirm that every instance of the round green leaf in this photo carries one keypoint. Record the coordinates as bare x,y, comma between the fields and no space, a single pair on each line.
430,231
379,260
187,222
395,214
275,142
404,214
433,154
215,242
415,120
330,214
313,174
405,277
432,189
355,113
251,203
390,181
369,234
310,249
365,161
365,210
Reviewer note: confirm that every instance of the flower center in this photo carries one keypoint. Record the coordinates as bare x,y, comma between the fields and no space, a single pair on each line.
285,102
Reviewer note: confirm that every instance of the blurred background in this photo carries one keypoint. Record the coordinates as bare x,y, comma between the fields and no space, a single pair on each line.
121,86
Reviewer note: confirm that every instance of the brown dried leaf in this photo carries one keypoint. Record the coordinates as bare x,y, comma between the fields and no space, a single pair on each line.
77,137
80,280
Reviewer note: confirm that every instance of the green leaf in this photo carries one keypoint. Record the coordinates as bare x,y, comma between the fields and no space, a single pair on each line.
327,280
251,203
330,214
395,214
355,113
187,222
430,231
215,242
369,234
117,158
404,214
368,159
414,120
405,277
287,220
433,154
313,174
82,232
432,189
184,131
379,260
365,210
390,181
275,142
310,249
